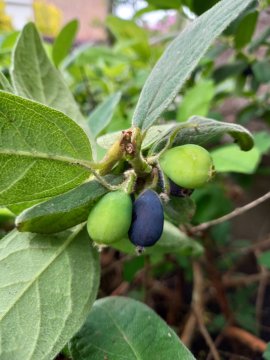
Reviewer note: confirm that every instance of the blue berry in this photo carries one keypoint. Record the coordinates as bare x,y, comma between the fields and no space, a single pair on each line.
147,219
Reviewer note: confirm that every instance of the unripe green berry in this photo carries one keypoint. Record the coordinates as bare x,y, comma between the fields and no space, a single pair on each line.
110,218
189,166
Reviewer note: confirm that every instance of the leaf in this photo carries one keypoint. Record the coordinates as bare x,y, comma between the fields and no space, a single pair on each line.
264,259
245,30
200,7
197,100
230,158
119,328
34,77
179,210
103,113
261,71
47,285
266,354
199,130
64,41
5,84
172,240
63,211
262,141
165,4
260,40
42,152
125,30
229,70
180,58
154,133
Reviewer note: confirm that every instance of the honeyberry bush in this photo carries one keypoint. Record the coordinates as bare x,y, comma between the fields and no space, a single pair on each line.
51,179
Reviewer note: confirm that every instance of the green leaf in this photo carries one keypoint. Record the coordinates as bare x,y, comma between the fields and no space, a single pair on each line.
262,141
63,211
264,259
199,130
47,285
8,42
103,113
125,30
261,71
64,41
260,40
200,7
245,30
230,158
34,77
229,70
5,84
180,58
266,354
179,210
119,328
154,134
172,240
165,4
42,152
197,100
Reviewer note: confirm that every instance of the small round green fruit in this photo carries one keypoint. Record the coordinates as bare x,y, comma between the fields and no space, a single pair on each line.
189,166
110,218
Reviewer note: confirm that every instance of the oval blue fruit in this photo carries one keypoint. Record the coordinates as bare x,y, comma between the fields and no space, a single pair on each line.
147,219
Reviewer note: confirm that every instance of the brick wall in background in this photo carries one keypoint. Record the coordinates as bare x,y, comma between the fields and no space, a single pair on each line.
88,12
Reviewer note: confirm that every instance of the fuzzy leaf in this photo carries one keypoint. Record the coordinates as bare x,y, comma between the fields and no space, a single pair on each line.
63,211
42,152
103,113
119,328
180,59
47,287
34,76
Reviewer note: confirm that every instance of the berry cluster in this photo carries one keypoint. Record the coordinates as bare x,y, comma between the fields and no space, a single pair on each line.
187,167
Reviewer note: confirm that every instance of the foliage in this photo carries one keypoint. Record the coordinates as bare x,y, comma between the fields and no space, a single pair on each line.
68,121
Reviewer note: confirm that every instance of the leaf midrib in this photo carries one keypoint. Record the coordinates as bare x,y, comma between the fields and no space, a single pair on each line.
40,155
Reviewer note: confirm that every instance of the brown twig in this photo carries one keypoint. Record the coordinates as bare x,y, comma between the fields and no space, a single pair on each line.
197,302
206,335
244,280
243,336
121,289
196,315
216,280
231,215
261,291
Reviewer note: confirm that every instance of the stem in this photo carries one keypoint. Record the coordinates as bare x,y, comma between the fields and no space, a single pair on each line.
139,164
129,183
234,213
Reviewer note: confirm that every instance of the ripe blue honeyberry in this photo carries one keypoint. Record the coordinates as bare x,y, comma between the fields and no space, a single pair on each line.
110,218
147,219
189,166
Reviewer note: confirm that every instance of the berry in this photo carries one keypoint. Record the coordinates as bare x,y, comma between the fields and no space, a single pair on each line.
110,218
189,166
147,219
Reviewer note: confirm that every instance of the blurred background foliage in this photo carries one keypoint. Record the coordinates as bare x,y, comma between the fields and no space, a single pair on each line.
231,83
